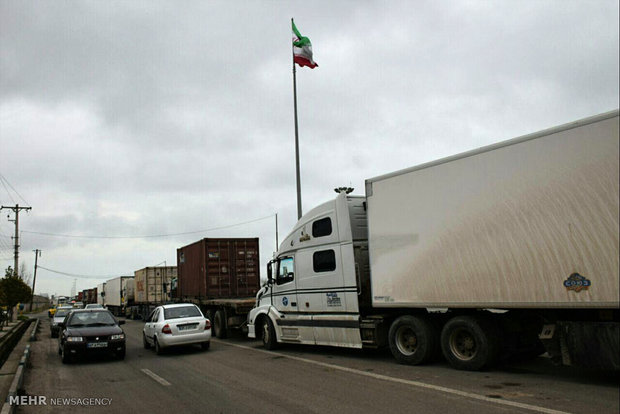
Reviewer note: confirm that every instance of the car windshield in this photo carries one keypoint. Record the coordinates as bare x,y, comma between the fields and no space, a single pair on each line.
62,312
92,319
181,312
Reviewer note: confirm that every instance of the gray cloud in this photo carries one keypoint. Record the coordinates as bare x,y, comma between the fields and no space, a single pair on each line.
142,117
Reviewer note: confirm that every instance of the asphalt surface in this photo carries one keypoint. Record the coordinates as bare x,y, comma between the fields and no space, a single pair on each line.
238,376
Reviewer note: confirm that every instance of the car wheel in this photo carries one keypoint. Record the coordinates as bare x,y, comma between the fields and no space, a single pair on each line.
413,340
120,355
145,342
269,334
158,349
65,357
205,345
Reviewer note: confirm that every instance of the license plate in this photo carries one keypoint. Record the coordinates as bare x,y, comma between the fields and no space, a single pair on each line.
97,345
187,327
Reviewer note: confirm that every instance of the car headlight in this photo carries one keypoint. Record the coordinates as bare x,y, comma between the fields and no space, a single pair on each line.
119,336
74,339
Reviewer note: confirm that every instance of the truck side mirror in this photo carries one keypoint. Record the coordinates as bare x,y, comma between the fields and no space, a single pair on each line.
269,274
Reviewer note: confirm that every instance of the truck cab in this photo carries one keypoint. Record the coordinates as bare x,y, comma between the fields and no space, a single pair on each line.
315,280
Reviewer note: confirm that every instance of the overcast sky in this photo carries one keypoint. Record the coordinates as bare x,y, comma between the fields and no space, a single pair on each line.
139,118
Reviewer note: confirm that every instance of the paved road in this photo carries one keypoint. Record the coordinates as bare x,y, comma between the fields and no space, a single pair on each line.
238,376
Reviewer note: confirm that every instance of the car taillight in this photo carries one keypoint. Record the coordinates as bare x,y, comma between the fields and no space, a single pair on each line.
166,329
207,324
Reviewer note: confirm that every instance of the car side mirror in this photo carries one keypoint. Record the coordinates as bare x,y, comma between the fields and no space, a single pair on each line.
121,322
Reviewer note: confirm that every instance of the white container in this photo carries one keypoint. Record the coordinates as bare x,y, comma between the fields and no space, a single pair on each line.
504,226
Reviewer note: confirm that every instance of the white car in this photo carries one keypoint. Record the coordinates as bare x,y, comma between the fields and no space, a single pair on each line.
178,324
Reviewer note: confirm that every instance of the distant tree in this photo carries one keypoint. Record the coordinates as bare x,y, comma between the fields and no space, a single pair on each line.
24,274
13,290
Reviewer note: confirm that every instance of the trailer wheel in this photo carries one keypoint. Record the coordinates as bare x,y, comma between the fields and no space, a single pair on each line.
413,340
269,334
470,343
219,325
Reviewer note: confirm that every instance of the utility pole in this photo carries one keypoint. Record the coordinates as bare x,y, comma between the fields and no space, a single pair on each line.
277,244
16,210
37,253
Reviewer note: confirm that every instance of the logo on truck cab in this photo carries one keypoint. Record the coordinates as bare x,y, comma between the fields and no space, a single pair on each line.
577,283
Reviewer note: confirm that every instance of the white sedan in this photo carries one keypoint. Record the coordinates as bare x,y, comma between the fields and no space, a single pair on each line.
178,324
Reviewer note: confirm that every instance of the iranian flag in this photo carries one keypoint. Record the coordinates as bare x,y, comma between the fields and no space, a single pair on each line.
302,49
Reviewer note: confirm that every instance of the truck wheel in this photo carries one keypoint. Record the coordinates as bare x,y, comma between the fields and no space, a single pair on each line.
269,334
219,325
470,343
413,340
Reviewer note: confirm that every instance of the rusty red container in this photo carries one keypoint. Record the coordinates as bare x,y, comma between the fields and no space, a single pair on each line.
218,268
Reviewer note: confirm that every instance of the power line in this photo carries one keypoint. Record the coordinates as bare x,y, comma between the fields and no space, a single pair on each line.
13,188
79,276
147,236
7,190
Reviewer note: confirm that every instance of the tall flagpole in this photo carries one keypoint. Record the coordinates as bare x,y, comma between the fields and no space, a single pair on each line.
296,133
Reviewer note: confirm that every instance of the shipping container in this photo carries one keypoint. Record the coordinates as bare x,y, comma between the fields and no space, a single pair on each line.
92,295
218,268
222,277
153,284
152,287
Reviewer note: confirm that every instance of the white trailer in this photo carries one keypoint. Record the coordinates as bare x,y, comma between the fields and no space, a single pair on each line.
478,256
101,294
119,293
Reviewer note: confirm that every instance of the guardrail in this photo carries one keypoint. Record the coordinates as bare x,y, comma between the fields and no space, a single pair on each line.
10,338
16,388
17,384
33,334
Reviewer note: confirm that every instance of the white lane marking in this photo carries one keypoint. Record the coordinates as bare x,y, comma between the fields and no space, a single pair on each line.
409,382
155,377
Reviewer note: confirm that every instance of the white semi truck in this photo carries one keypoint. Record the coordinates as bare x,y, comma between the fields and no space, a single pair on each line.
478,256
